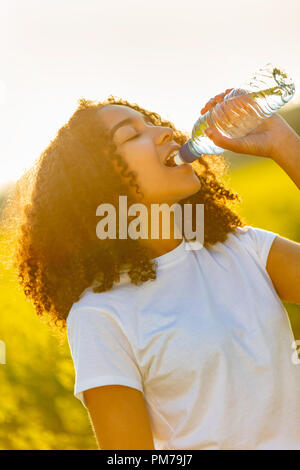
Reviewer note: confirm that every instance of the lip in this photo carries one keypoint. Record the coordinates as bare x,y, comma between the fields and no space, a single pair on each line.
177,167
171,150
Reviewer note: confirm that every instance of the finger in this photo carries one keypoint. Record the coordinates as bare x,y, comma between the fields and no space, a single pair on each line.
221,96
235,145
208,105
213,101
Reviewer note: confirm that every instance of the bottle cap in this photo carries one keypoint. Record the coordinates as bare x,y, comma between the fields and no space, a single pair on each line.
186,154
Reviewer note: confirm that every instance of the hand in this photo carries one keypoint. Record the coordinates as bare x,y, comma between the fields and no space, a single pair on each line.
266,140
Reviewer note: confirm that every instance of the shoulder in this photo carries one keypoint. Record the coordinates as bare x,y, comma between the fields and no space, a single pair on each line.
249,235
109,302
92,319
103,313
256,241
92,313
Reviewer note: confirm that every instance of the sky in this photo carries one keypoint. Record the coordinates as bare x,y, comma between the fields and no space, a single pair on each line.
168,56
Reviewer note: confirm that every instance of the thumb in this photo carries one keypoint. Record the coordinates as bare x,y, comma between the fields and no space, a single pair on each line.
235,145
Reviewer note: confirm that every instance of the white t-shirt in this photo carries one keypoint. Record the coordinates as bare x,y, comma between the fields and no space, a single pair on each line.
208,342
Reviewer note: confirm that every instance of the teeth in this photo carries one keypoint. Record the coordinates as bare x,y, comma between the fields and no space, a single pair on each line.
172,155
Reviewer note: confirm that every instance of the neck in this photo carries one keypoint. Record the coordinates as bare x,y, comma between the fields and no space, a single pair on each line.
160,246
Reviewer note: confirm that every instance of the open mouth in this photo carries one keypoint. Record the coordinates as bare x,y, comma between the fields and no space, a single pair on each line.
170,159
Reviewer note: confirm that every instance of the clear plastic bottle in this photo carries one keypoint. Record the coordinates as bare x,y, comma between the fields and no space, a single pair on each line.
241,111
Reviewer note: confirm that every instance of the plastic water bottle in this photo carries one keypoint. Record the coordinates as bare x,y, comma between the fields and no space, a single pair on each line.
241,111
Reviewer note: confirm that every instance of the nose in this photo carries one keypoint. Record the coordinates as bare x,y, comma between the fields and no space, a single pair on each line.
164,134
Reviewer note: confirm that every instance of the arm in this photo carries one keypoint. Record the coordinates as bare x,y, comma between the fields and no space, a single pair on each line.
108,379
287,154
274,139
283,267
283,264
119,418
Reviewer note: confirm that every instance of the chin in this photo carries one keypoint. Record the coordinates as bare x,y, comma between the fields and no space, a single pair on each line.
179,195
192,189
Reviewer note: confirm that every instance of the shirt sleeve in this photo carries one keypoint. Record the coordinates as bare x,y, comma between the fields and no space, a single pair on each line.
100,351
261,240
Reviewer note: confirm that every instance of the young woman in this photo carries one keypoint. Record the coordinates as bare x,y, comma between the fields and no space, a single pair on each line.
173,348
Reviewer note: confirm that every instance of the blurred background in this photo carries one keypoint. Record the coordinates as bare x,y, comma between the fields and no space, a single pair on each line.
170,57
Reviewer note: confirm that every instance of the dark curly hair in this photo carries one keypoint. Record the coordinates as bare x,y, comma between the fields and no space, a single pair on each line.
50,217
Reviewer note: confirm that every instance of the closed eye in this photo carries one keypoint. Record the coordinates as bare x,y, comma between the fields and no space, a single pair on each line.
148,121
131,138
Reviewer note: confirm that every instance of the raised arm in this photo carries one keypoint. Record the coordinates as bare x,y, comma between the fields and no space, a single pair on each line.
274,139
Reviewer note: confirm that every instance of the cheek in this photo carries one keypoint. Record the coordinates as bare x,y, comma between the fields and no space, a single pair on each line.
144,166
146,174
146,170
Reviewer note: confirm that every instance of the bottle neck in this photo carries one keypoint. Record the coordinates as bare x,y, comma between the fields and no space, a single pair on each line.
186,154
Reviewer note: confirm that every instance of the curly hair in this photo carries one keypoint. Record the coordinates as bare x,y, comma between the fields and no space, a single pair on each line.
51,214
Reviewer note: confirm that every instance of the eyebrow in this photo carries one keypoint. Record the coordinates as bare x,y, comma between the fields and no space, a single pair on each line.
126,121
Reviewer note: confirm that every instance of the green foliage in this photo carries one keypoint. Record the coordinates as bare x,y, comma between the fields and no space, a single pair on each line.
38,409
5,190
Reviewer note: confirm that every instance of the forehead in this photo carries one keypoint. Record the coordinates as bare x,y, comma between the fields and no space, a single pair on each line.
110,115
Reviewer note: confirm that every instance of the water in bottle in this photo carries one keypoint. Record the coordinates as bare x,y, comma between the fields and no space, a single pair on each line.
241,111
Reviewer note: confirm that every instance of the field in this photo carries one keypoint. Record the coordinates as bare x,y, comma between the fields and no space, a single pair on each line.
38,409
